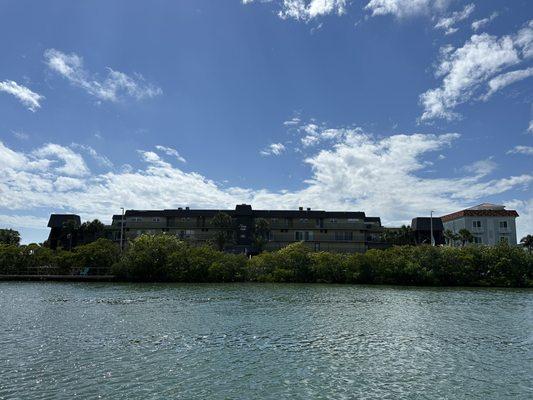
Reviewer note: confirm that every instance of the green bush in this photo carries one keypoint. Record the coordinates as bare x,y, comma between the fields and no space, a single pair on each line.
166,258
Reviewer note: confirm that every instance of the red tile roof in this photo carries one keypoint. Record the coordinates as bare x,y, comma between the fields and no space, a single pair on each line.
479,213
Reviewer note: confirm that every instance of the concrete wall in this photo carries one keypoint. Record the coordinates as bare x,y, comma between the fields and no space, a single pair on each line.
490,232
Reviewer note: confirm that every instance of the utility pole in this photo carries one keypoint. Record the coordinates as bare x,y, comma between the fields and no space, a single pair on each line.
431,227
122,229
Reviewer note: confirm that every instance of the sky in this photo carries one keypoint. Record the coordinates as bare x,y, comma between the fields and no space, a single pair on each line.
391,107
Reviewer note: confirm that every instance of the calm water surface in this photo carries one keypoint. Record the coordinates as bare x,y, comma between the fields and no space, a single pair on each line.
245,341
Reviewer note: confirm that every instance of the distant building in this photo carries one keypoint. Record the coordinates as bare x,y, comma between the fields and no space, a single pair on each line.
63,230
421,227
335,231
488,223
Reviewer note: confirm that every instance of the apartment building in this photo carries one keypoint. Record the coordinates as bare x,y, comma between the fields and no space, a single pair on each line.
489,223
335,231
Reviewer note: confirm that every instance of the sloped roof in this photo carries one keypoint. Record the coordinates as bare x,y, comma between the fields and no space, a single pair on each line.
57,220
487,206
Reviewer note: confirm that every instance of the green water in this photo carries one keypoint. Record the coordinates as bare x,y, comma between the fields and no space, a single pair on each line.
245,341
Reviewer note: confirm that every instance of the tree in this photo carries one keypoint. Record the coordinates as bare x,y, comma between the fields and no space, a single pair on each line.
224,233
9,236
261,233
451,237
465,236
527,242
91,231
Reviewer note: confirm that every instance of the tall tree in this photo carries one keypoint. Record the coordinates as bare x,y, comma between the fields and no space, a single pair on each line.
527,242
9,236
224,231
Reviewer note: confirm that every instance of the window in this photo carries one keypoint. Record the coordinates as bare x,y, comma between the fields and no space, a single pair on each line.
333,220
344,236
136,219
242,228
303,219
504,239
156,219
476,224
353,220
503,224
303,235
478,240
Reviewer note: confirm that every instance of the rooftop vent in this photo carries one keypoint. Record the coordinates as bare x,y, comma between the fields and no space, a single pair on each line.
308,208
186,208
300,208
179,208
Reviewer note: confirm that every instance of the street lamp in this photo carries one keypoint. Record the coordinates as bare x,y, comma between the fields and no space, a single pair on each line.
122,229
431,228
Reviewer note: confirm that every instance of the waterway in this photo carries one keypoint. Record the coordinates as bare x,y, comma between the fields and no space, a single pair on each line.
262,341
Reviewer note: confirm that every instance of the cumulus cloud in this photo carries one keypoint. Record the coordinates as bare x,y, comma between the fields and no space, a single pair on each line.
273,149
28,98
527,150
448,23
405,8
506,79
466,70
115,86
70,162
171,152
305,10
381,176
480,23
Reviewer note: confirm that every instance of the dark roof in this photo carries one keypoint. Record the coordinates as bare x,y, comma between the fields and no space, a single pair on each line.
424,224
57,220
244,209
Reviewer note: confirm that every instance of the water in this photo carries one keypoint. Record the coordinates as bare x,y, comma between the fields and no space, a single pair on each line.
245,341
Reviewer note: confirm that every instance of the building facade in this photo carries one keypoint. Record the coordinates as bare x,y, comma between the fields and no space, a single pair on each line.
490,224
422,228
333,231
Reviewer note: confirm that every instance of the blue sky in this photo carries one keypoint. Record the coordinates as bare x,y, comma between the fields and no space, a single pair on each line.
392,107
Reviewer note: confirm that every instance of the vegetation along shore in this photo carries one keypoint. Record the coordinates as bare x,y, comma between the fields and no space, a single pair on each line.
165,258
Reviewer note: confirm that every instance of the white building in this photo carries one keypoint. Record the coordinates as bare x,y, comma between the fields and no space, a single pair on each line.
488,223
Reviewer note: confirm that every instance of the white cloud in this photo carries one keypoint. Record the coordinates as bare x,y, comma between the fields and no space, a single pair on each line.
28,98
448,23
305,10
66,183
381,176
171,152
72,163
481,167
530,127
506,79
464,70
405,8
292,122
23,221
115,86
527,150
524,223
274,149
480,23
101,160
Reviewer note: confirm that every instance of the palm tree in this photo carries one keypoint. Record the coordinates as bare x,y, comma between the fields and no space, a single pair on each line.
527,242
451,237
465,236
